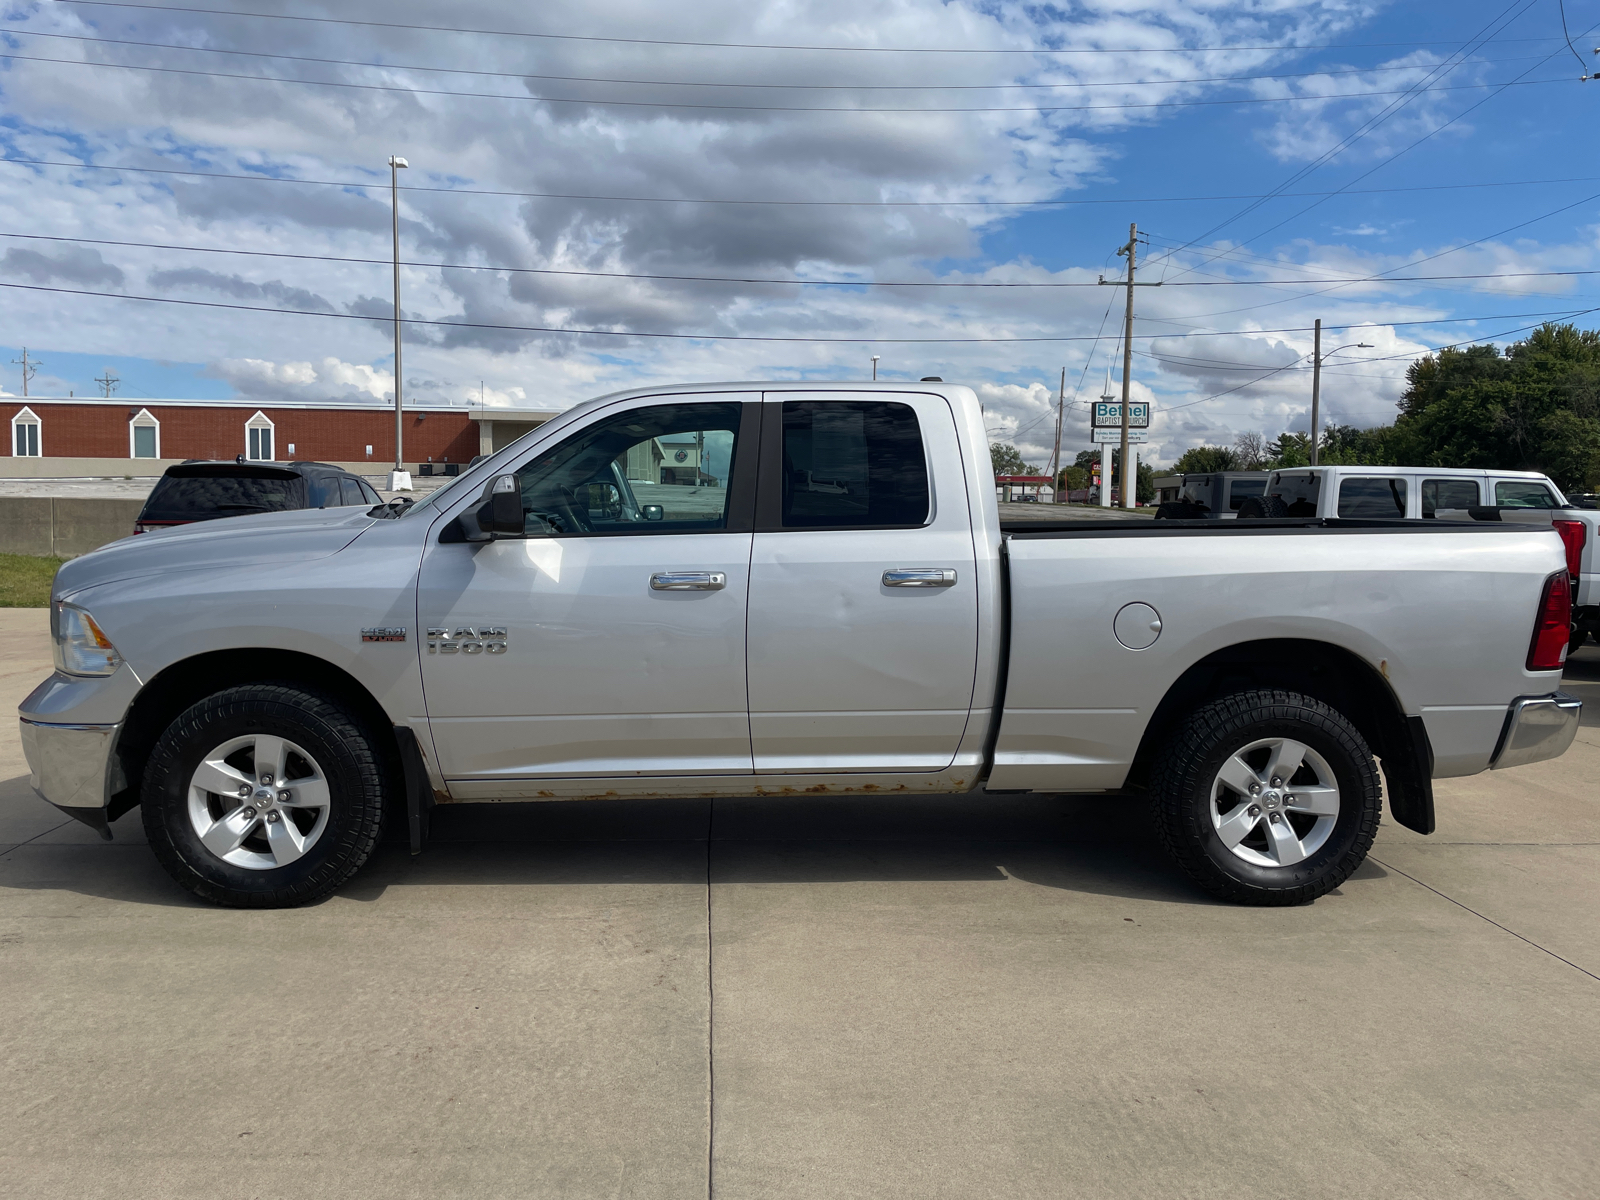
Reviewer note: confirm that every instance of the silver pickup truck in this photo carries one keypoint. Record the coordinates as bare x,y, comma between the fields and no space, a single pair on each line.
775,589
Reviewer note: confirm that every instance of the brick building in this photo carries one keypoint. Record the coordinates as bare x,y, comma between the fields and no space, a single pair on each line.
151,433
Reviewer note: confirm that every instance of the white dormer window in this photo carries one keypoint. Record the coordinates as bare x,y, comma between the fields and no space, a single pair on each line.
258,438
144,435
25,439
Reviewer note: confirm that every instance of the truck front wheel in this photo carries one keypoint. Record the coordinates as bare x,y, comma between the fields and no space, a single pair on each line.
263,796
1267,797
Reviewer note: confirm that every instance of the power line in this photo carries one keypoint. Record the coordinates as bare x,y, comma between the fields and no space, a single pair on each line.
1041,203
1403,151
573,37
808,87
746,279
701,107
1451,63
1384,276
729,337
1571,315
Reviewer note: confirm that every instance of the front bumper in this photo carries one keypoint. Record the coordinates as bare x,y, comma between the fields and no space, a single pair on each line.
1537,728
73,768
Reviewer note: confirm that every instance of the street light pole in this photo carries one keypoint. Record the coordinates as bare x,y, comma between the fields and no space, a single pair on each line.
875,358
399,478
1316,380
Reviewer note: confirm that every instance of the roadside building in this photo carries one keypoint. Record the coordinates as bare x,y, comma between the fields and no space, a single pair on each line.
50,437
1024,487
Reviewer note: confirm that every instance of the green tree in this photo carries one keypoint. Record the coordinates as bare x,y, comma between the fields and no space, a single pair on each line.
1288,450
1201,460
1535,406
1006,460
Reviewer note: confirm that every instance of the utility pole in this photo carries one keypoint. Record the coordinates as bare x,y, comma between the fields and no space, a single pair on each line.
1316,379
1316,385
108,383
30,368
1130,252
1105,453
1055,457
399,478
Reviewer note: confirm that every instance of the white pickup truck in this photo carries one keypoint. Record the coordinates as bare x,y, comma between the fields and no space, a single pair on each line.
775,589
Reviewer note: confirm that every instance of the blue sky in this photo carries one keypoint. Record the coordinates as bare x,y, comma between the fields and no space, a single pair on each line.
1216,360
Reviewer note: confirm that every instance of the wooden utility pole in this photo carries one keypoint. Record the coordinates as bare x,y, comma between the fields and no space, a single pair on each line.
1055,458
1130,251
1316,385
29,368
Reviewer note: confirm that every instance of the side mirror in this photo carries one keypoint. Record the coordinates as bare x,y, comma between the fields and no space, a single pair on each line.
501,512
653,512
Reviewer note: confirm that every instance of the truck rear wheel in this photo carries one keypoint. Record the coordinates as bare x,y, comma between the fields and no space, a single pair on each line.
264,796
1267,797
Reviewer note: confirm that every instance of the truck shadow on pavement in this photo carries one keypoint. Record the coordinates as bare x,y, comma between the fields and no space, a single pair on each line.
1091,844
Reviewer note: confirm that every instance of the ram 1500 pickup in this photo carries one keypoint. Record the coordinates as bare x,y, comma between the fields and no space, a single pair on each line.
770,589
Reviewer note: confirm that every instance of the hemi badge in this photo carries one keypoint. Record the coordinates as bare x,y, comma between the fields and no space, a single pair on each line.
383,634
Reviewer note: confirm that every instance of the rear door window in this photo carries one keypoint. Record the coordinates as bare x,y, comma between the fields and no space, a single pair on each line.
853,464
1523,494
1371,497
1448,493
200,498
351,491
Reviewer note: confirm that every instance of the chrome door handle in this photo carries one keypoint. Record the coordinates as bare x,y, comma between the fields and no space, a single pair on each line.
688,581
920,577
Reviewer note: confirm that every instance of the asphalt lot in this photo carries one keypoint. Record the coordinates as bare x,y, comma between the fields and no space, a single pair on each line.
809,998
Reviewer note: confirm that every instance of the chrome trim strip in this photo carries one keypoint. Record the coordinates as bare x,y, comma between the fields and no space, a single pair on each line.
1537,728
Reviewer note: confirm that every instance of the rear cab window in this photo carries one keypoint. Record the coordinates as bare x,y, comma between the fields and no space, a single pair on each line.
1297,491
1519,493
1448,493
1372,496
1197,491
1242,489
196,496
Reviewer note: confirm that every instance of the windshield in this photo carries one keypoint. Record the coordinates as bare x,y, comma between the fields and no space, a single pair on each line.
200,498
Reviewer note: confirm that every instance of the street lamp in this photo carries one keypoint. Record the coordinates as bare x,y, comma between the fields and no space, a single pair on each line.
875,358
399,478
1316,379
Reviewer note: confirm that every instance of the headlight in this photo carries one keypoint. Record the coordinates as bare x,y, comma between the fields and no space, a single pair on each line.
81,646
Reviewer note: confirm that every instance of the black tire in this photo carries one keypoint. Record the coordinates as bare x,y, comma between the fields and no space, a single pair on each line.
347,754
1186,768
1579,636
1256,508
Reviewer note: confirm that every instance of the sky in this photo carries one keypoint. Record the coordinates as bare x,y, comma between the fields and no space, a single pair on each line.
615,194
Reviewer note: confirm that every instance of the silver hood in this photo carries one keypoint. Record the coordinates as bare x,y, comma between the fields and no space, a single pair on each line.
297,536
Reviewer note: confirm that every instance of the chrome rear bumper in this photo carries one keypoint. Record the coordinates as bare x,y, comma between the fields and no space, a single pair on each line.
72,767
1537,728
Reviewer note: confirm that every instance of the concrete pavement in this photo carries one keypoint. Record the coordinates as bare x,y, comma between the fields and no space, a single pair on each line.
954,998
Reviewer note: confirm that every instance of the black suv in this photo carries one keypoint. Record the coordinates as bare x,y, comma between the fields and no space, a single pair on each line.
201,490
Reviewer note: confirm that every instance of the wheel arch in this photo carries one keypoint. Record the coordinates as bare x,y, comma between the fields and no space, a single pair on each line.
190,680
1333,674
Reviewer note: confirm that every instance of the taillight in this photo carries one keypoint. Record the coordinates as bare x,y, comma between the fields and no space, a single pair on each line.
1573,535
1554,628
